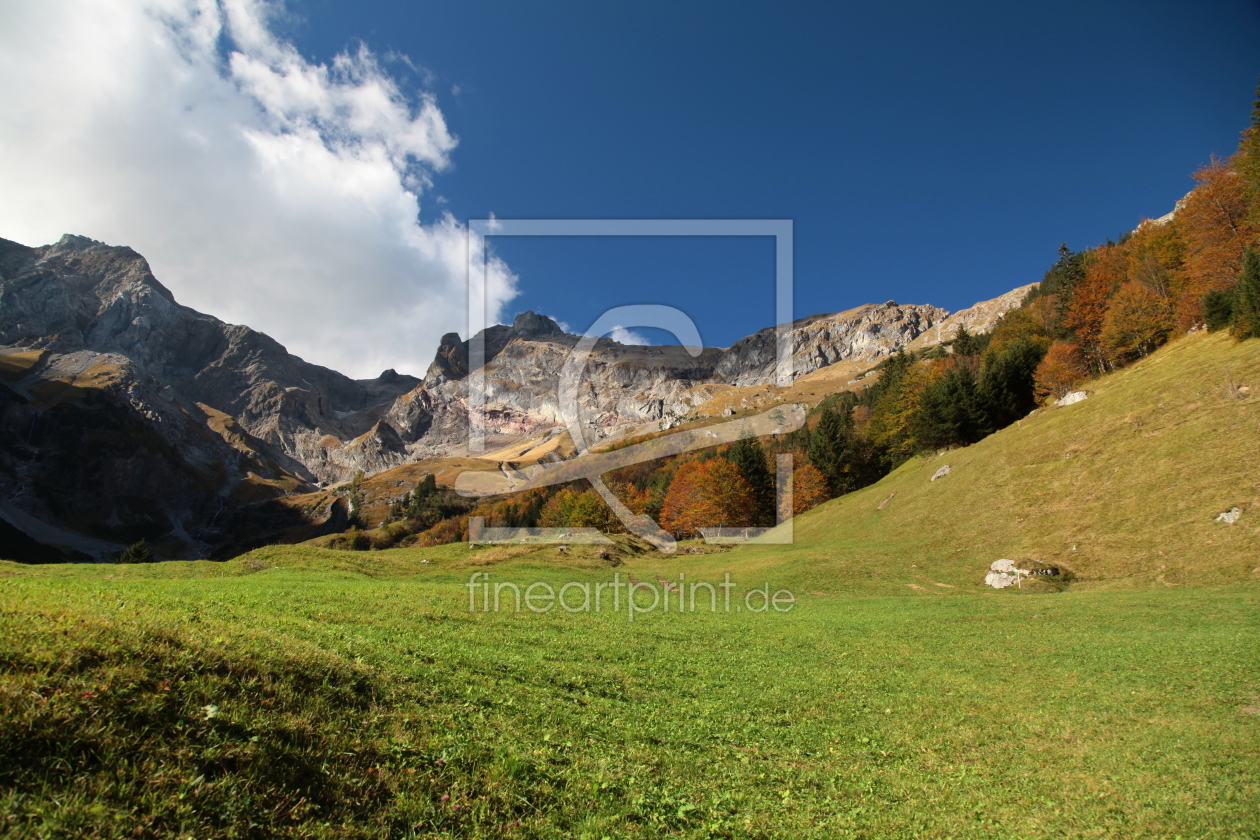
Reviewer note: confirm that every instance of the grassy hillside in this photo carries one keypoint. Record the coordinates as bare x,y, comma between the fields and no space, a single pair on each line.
1122,488
304,692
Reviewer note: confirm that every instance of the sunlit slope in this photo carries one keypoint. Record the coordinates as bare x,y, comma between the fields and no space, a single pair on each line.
1124,486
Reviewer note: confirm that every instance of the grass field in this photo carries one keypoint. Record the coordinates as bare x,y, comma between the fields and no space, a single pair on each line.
302,692
280,695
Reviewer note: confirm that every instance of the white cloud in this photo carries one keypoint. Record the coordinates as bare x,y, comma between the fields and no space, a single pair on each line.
626,336
264,189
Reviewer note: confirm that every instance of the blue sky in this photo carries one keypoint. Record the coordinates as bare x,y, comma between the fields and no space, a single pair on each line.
305,168
927,152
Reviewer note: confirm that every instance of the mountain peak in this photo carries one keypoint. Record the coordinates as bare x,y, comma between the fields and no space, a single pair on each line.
530,324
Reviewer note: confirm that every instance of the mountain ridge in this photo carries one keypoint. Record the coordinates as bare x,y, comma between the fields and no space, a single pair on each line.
232,420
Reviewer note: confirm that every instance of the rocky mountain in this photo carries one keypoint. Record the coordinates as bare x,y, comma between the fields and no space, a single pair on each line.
128,415
124,414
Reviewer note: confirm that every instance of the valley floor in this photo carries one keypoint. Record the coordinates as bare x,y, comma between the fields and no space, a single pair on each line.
307,693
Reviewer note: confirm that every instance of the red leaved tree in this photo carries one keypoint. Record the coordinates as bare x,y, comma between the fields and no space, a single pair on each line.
1216,224
1061,370
809,488
704,494
1105,270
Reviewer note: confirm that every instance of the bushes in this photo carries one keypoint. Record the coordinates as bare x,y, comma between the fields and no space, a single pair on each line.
136,553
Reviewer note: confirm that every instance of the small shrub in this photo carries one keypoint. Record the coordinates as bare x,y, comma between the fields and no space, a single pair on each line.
138,552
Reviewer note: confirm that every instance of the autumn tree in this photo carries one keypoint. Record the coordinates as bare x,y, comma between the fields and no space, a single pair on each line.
1015,326
570,509
1155,253
809,488
1061,370
1138,320
704,494
1217,224
1105,270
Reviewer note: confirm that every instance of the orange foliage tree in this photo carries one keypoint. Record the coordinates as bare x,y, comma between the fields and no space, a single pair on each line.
1156,253
1138,320
1061,370
711,493
1106,268
1217,224
809,488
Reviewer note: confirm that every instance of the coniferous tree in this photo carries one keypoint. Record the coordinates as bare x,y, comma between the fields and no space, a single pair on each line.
1247,297
356,498
1218,308
949,412
964,343
750,458
1006,387
423,498
829,449
138,552
1058,284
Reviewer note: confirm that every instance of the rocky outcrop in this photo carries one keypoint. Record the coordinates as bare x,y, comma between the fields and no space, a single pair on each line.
977,318
867,333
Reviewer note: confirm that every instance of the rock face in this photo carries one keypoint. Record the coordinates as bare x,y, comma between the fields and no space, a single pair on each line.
85,302
126,415
204,418
867,333
977,318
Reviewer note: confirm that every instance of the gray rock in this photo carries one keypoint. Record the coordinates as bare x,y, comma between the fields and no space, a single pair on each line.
1004,573
941,473
1074,397
1230,516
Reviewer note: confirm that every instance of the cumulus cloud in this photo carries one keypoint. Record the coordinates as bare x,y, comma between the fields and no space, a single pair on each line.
263,188
626,336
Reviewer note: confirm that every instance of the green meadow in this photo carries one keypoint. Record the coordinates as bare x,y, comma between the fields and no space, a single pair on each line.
304,692
298,692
